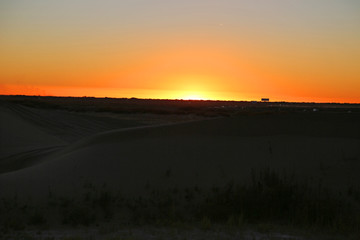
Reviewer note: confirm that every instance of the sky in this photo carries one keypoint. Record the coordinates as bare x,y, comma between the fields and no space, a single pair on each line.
285,50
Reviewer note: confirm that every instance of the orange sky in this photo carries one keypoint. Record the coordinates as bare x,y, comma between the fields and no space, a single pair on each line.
298,51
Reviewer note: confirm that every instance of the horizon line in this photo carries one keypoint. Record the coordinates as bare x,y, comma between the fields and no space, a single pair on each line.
178,99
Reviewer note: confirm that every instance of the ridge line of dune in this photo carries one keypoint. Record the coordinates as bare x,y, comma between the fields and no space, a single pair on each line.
102,137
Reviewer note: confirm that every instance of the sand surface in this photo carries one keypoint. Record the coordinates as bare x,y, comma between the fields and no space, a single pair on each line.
62,151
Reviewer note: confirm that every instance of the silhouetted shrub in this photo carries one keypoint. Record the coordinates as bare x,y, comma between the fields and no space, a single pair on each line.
270,198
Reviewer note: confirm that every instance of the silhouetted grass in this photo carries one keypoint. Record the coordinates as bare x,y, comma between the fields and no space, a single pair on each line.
270,199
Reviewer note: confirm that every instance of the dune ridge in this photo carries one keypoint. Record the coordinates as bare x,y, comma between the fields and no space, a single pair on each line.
200,153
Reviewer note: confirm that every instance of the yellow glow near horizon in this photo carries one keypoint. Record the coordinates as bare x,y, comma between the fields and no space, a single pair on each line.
193,97
192,87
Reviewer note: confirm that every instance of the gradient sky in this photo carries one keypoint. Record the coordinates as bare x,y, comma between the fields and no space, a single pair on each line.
287,50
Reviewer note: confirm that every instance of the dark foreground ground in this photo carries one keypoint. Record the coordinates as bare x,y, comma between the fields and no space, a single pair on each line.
89,168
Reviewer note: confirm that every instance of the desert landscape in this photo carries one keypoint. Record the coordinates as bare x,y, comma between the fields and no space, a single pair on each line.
184,120
265,168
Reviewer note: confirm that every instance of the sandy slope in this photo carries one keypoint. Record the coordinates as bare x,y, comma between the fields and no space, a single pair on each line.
203,153
18,135
27,134
65,125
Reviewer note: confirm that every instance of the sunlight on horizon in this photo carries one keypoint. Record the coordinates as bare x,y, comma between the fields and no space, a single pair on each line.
194,97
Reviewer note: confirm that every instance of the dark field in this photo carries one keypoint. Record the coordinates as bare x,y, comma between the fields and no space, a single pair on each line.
247,170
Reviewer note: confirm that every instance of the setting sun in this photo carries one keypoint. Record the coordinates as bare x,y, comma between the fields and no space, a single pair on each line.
193,97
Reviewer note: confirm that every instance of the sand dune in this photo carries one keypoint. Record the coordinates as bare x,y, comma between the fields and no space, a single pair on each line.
18,135
202,153
65,125
27,134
